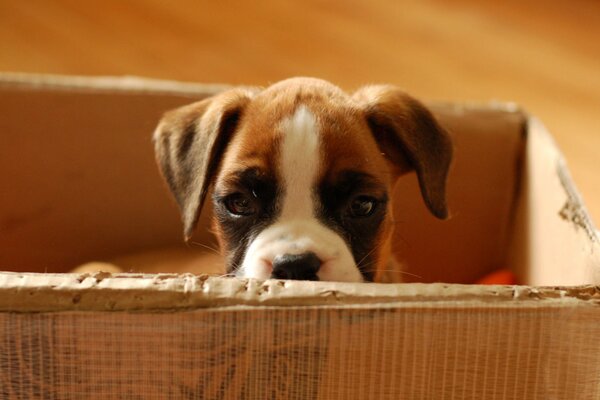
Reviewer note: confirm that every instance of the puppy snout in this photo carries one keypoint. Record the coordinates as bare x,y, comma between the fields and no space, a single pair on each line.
296,266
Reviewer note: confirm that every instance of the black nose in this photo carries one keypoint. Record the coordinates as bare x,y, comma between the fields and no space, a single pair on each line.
302,267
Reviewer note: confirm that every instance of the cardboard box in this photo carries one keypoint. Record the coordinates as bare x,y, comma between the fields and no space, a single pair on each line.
79,184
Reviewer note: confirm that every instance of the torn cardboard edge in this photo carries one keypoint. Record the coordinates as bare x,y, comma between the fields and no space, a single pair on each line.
574,209
554,239
33,292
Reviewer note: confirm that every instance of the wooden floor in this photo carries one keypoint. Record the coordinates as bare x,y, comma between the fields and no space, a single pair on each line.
542,54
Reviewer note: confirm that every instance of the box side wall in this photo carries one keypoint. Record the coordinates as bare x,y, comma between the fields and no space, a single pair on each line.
554,241
80,180
304,353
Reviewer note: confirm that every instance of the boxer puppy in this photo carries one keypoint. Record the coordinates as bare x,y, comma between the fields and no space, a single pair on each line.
301,174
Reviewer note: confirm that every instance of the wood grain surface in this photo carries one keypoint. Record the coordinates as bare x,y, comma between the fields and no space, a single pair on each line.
544,55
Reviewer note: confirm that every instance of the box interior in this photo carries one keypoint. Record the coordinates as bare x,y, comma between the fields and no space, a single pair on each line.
80,184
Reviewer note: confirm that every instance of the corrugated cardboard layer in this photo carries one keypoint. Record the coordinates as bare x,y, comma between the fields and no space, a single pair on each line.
304,353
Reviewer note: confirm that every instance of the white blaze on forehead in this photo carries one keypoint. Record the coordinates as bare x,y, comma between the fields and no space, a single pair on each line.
297,229
299,163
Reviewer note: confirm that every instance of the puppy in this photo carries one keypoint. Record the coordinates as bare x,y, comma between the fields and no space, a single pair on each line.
301,174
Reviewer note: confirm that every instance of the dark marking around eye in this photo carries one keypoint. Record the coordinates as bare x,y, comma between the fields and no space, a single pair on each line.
239,232
359,233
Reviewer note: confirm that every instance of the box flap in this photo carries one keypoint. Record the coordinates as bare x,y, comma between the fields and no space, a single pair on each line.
554,240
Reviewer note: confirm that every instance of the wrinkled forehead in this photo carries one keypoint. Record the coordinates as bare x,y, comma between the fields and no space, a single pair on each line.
303,131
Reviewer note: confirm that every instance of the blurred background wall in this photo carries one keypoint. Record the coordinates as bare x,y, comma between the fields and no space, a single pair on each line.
544,55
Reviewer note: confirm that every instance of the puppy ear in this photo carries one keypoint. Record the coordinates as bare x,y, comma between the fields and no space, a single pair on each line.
189,143
411,139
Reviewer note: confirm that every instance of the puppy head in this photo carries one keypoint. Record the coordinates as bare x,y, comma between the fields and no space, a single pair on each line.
301,174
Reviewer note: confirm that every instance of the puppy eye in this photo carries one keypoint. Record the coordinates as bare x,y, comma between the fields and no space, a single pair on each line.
240,204
362,206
